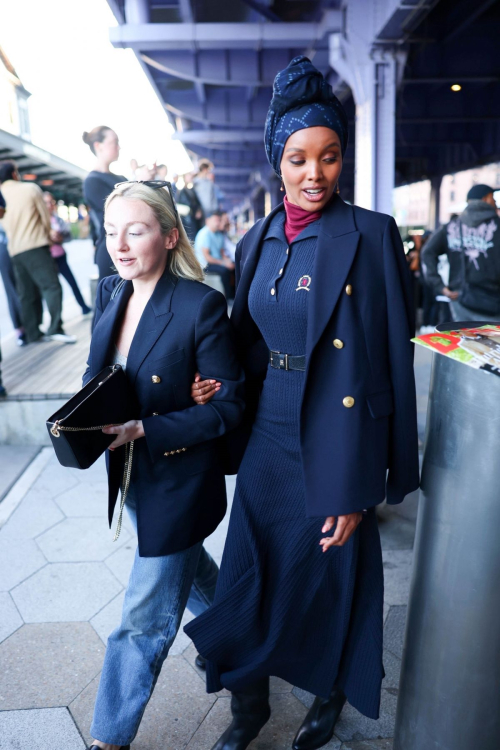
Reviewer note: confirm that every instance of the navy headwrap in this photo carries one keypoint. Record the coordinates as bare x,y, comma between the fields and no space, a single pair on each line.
301,99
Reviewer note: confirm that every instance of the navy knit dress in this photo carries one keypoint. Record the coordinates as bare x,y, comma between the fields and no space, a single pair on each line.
282,606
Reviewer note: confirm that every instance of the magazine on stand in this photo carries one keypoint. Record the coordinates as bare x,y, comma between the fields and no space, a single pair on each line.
476,347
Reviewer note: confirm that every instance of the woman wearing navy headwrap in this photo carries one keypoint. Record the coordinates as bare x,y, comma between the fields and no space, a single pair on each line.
323,319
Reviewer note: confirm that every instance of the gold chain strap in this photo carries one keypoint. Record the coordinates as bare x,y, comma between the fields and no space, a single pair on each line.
57,428
129,452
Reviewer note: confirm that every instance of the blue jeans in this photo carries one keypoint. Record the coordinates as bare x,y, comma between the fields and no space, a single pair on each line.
158,590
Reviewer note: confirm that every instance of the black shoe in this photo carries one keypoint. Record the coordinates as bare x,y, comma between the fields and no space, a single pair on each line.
3,392
250,711
200,662
96,747
317,728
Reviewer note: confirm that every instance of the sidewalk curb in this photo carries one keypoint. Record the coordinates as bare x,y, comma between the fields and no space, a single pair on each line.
23,484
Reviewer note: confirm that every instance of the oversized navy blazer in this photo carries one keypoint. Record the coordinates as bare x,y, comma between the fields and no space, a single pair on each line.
361,295
181,496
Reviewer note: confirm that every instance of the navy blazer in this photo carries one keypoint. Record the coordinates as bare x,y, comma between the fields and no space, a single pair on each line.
177,474
353,456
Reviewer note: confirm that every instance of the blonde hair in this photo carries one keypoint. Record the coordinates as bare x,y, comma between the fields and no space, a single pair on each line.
181,260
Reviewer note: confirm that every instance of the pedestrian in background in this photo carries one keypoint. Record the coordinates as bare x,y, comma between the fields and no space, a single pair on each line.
99,183
229,245
9,282
194,220
60,233
472,243
205,188
27,224
423,293
209,249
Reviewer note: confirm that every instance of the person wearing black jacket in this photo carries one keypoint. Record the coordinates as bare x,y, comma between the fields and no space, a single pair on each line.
99,183
194,220
160,324
472,243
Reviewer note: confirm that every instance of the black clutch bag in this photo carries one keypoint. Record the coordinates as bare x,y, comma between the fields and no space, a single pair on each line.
76,428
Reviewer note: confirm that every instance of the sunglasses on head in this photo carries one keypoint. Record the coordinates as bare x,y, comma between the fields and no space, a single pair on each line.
155,184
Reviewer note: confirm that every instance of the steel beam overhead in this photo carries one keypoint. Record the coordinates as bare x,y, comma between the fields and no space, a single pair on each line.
234,67
263,10
220,136
391,62
165,36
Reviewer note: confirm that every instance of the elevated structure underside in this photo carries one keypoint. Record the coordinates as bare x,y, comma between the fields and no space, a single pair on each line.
212,65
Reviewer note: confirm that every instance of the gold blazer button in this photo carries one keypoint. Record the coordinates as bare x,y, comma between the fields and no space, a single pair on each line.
338,344
348,290
156,378
348,402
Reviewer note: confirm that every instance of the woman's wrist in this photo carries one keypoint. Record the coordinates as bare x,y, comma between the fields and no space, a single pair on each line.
139,429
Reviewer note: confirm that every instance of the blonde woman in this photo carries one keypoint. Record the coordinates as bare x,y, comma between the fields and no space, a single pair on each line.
158,321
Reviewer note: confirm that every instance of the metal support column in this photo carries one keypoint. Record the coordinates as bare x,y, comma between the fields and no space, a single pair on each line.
372,71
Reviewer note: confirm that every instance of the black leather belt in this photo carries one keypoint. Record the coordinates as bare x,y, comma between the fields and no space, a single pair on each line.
285,362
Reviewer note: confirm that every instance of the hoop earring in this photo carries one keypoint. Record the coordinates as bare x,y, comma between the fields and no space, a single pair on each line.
282,188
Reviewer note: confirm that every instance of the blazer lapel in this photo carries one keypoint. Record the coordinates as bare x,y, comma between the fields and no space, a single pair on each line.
104,334
155,318
335,253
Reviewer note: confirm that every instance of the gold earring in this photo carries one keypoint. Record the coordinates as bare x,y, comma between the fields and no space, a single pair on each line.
337,188
282,188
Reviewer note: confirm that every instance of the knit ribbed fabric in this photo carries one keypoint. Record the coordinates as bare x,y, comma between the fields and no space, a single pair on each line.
282,606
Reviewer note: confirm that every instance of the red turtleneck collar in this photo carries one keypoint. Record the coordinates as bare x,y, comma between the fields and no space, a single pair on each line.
297,219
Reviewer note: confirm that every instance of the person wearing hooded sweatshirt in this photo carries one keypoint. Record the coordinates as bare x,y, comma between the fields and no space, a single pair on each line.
472,243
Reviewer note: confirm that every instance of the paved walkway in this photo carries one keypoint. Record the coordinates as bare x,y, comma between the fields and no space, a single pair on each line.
62,583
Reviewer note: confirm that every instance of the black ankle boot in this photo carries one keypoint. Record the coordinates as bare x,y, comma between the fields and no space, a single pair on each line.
251,711
317,728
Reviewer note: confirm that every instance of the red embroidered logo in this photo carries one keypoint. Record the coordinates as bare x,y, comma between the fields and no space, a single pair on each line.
304,283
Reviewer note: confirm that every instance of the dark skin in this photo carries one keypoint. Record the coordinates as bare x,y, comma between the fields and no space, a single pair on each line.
310,168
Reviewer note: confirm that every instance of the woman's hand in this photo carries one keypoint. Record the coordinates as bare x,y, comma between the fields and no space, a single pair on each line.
451,295
203,390
346,526
125,433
